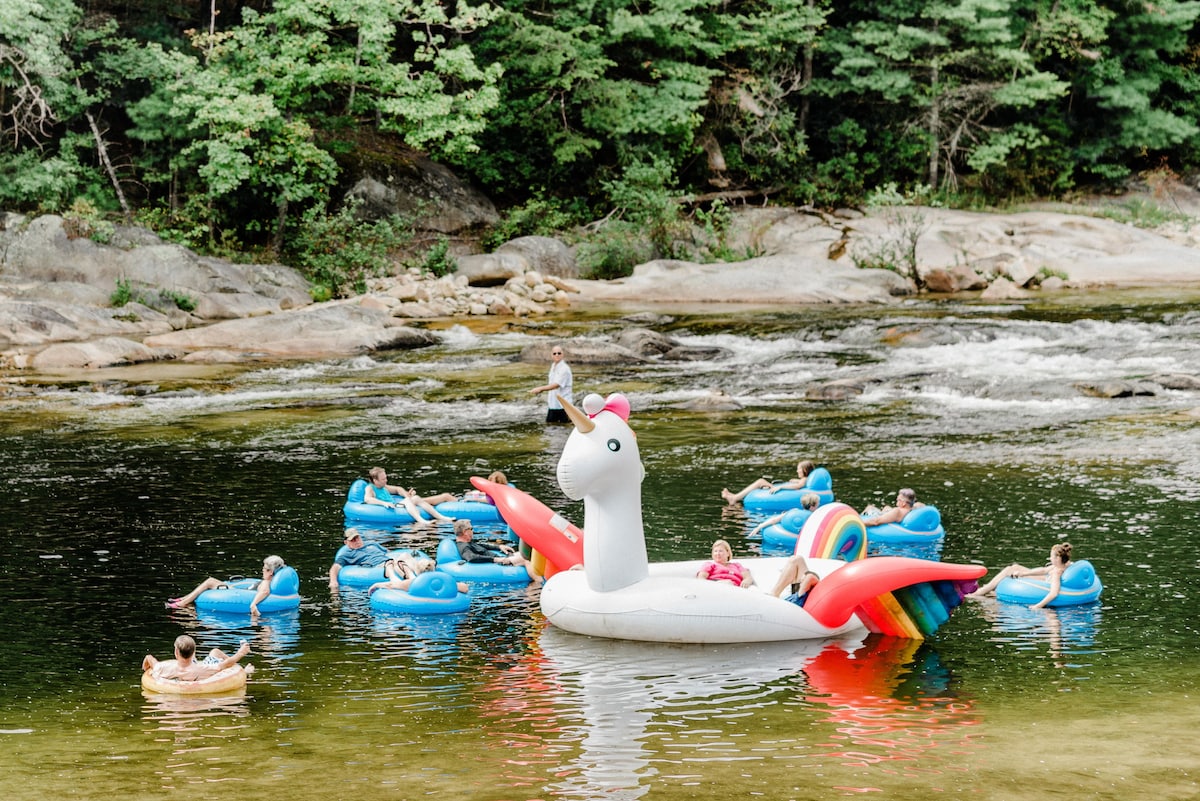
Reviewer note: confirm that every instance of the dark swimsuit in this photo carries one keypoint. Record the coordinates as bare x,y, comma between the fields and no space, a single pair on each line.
797,598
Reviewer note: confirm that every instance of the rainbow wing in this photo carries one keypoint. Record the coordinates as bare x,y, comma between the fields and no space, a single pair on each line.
833,531
893,595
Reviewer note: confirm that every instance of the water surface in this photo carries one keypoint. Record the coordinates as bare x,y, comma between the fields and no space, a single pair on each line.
124,487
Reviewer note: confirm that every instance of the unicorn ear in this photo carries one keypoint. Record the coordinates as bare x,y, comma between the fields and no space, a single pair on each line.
619,405
593,404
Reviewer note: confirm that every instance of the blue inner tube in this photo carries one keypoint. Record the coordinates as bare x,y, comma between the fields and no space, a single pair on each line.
761,500
432,593
1079,585
448,560
236,598
357,511
923,524
362,577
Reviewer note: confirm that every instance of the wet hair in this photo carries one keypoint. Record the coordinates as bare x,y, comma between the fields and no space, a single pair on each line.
1063,551
274,562
908,495
725,545
810,500
186,646
461,525
805,467
498,477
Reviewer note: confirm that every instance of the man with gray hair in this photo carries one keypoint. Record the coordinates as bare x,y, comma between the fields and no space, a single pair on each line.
906,499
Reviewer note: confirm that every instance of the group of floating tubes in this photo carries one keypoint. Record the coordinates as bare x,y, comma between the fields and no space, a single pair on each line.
358,512
818,482
235,596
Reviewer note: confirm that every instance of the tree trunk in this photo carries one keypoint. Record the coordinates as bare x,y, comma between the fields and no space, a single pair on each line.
934,122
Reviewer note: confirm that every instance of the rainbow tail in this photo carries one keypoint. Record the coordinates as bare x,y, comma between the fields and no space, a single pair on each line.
893,595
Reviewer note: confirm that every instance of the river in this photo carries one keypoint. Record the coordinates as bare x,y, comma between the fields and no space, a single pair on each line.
127,486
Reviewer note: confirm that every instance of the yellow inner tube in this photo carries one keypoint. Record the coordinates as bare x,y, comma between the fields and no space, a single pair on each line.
231,678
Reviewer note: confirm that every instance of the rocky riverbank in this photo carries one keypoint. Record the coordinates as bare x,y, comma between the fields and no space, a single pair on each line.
57,290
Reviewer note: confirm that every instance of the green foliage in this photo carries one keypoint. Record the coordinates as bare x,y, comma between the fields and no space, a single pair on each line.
123,294
643,197
338,252
1143,213
437,261
537,216
160,299
83,220
614,251
895,250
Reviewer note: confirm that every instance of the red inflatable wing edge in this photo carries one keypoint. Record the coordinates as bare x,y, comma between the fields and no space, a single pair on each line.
837,595
560,541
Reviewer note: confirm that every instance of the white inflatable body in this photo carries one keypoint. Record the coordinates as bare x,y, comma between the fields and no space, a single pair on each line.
671,605
618,594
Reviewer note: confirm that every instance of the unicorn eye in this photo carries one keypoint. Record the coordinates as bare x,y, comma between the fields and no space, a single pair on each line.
614,445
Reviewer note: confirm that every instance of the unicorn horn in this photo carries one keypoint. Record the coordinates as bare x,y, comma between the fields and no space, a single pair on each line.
581,420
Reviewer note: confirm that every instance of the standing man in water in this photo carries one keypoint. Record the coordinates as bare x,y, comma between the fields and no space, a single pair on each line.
560,382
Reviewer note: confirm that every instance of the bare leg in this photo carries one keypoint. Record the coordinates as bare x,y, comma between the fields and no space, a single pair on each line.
442,497
209,583
990,587
434,513
791,573
736,497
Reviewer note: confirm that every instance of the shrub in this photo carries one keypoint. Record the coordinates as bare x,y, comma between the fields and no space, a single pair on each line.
338,252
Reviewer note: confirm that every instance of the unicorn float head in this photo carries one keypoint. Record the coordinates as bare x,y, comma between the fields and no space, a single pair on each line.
601,465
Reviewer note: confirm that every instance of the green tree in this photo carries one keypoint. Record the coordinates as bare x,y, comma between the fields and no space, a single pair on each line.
261,102
38,96
945,67
1139,93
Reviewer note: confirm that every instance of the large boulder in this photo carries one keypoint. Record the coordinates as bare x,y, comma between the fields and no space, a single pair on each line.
321,331
543,254
768,280
413,186
44,255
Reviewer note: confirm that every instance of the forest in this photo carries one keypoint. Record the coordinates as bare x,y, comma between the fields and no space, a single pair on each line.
231,127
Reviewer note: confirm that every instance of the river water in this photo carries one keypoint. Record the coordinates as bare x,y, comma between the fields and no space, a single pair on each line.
124,487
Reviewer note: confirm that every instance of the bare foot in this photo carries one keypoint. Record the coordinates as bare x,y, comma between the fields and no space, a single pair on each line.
729,497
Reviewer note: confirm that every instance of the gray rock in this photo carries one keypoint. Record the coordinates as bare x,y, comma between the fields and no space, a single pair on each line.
1114,389
715,401
645,342
694,353
843,389
1181,381
545,254
580,352
330,329
103,352
492,269
424,191
768,280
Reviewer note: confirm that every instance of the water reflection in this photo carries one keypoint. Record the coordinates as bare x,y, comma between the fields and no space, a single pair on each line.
891,701
1065,632
621,694
186,714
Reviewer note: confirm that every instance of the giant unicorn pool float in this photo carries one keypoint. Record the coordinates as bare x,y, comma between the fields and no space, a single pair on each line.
617,593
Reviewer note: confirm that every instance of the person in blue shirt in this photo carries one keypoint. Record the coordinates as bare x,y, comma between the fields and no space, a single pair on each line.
355,552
